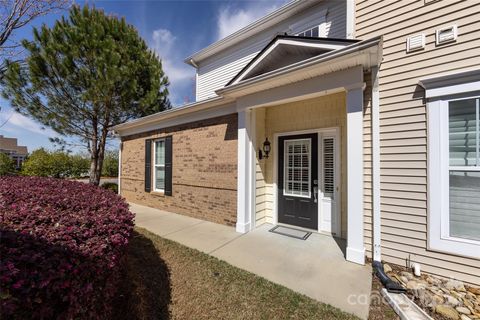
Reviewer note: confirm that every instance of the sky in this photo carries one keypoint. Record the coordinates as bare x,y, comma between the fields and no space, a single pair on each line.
173,29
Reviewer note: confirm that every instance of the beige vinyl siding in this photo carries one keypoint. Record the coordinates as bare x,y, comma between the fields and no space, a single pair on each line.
403,127
262,200
216,71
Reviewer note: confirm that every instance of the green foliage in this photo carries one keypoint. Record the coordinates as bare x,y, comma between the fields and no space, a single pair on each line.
57,164
110,164
6,165
80,165
84,75
110,186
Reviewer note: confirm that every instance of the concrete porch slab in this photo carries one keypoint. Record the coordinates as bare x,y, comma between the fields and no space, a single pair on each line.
315,267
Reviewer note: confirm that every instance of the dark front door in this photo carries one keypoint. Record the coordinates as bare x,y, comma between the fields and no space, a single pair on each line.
298,180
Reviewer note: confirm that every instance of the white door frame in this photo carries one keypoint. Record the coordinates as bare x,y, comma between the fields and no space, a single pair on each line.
331,132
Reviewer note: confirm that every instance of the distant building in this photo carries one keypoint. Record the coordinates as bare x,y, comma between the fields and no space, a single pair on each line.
15,152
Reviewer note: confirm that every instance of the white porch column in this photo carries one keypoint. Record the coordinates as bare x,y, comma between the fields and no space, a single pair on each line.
355,246
245,196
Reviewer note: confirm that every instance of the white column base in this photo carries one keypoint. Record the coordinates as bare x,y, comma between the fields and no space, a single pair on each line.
356,255
242,227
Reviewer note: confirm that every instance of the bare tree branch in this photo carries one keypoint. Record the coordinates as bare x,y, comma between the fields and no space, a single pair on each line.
15,14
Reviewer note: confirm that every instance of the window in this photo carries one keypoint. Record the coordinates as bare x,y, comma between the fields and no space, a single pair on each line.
297,168
313,33
159,166
328,167
454,172
464,168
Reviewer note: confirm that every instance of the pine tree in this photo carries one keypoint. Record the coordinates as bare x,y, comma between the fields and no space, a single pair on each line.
84,75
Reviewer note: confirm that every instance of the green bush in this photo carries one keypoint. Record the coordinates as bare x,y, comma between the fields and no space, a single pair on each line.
110,186
43,163
110,164
6,165
80,166
56,164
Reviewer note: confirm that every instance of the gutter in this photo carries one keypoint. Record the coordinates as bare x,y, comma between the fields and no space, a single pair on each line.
302,65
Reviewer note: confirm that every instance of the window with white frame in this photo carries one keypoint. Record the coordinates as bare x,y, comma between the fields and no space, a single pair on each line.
312,32
464,168
454,175
297,168
159,165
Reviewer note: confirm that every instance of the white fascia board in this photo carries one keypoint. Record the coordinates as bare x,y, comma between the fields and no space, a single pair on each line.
369,48
209,108
335,82
284,12
290,42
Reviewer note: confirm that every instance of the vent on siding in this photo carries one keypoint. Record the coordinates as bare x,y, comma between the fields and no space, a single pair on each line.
416,42
448,34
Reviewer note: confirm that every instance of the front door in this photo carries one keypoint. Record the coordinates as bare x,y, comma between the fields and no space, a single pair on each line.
298,180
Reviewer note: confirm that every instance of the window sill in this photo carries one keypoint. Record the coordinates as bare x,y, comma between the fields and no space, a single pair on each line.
453,246
158,193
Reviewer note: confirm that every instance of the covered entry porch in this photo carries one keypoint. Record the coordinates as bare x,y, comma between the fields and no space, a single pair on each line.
315,113
320,122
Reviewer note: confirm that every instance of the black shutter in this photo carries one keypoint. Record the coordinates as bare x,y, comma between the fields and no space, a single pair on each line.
168,166
148,165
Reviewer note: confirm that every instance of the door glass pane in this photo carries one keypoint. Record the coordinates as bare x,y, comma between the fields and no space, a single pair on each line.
160,152
160,178
328,167
297,168
463,126
465,204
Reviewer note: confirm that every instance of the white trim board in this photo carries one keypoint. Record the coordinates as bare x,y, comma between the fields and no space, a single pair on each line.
290,42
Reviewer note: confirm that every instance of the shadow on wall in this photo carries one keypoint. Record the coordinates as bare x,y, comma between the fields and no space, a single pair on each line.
231,133
145,291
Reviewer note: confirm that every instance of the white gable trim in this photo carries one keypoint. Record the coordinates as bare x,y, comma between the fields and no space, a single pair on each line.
290,42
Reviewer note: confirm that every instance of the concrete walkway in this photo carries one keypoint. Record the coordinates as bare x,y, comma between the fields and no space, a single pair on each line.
315,267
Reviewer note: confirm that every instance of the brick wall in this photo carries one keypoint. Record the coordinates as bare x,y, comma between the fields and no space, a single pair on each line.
204,170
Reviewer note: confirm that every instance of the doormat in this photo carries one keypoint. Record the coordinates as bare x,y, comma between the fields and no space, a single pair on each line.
290,232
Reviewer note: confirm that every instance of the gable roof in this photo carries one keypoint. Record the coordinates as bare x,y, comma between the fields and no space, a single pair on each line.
284,12
366,54
285,50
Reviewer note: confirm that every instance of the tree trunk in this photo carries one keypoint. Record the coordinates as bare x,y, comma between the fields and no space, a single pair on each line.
93,173
97,162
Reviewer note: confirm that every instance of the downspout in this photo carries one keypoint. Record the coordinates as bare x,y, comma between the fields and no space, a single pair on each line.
388,283
377,256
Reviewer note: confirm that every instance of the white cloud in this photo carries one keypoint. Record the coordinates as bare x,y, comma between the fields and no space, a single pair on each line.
17,122
180,75
231,19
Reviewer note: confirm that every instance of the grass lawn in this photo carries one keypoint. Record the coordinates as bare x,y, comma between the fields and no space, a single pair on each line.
166,280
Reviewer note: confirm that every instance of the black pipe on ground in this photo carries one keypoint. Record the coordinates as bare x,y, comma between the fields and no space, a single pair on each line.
388,283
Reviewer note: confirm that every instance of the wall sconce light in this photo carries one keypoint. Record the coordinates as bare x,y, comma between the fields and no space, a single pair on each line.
266,150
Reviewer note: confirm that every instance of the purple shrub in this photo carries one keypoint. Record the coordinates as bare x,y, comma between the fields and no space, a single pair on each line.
62,244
